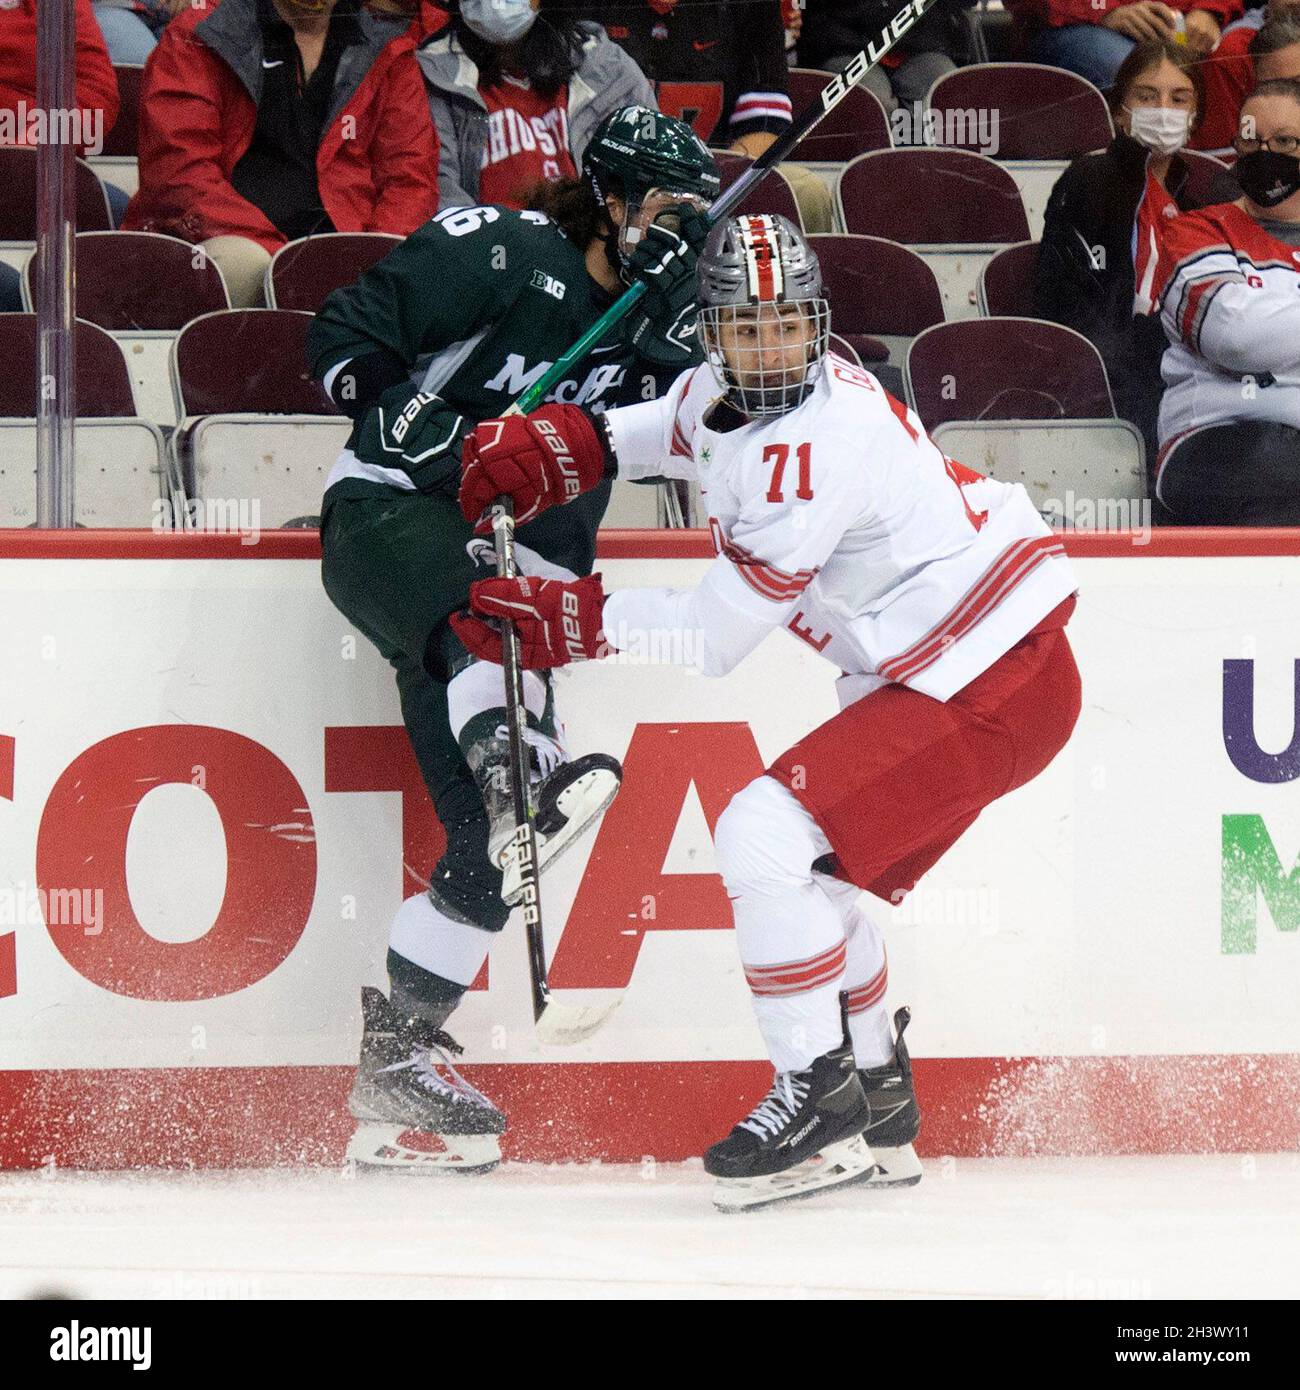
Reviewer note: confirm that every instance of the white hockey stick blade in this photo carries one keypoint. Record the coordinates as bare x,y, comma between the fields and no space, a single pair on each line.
562,1025
837,1165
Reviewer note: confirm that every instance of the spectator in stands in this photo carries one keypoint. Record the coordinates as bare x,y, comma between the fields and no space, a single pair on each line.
1230,301
719,64
131,27
835,31
267,120
1093,37
516,88
1263,44
1084,277
96,85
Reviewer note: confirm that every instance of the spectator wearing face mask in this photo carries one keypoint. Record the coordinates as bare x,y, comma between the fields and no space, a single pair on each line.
1093,37
517,89
1084,277
1265,45
1229,296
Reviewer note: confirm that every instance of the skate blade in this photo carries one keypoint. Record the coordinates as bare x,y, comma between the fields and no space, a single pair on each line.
376,1145
838,1165
581,803
895,1167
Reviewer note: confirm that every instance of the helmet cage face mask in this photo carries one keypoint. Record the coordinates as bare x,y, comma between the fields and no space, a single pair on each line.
753,349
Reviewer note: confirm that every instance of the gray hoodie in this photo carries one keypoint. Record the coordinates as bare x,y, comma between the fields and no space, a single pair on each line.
606,80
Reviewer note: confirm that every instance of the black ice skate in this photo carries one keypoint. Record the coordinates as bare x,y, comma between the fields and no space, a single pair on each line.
895,1116
568,793
804,1135
415,1111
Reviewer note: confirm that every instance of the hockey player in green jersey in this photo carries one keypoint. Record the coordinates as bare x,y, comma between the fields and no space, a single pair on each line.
449,329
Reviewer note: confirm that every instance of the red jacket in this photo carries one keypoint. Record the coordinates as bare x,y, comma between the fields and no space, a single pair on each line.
96,83
377,166
1053,14
1229,76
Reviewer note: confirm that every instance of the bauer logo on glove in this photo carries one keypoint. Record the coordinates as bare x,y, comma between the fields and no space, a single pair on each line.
558,621
540,460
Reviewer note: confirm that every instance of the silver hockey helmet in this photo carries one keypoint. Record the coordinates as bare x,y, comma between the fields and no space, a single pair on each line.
765,322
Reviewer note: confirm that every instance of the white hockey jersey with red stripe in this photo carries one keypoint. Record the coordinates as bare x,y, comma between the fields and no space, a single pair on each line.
1229,297
842,522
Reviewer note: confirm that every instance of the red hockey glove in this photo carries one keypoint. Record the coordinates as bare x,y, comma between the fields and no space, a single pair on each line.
558,620
538,460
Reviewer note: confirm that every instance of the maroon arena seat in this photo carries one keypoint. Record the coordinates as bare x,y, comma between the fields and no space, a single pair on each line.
773,194
103,380
1006,369
1006,286
246,361
123,141
304,272
1043,112
877,286
1209,180
18,205
141,281
856,125
931,197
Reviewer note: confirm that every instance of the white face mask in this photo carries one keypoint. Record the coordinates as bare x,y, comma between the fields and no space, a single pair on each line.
498,21
1163,129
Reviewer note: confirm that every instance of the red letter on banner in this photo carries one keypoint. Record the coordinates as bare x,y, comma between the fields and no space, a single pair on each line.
270,848
624,880
8,951
378,758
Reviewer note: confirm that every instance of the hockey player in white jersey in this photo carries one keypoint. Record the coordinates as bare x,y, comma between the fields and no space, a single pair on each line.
941,596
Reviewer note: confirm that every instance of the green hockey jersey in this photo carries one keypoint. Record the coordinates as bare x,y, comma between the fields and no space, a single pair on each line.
477,304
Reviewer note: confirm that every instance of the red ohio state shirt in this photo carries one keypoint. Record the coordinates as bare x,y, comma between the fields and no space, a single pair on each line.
527,140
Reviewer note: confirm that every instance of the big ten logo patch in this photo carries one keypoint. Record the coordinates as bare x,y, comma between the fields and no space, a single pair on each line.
548,284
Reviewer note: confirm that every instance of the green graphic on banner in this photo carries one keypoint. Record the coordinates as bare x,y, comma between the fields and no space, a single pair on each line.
1251,867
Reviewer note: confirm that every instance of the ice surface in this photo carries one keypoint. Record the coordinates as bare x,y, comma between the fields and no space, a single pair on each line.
1135,1227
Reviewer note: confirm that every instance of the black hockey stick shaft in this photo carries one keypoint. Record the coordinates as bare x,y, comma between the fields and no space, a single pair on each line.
523,844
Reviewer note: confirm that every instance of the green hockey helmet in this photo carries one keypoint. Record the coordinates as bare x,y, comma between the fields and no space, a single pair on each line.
635,150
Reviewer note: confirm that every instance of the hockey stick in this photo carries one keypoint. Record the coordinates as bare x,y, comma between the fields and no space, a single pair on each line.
555,1022
565,1023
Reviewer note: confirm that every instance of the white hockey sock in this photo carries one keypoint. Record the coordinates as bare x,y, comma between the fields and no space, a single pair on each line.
437,943
866,975
482,685
789,932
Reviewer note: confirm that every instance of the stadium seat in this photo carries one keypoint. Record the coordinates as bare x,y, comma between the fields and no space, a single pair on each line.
1209,180
304,272
18,206
120,478
845,349
252,423
1006,283
878,290
1042,112
857,124
955,207
123,141
1080,474
136,282
1006,369
930,197
773,194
